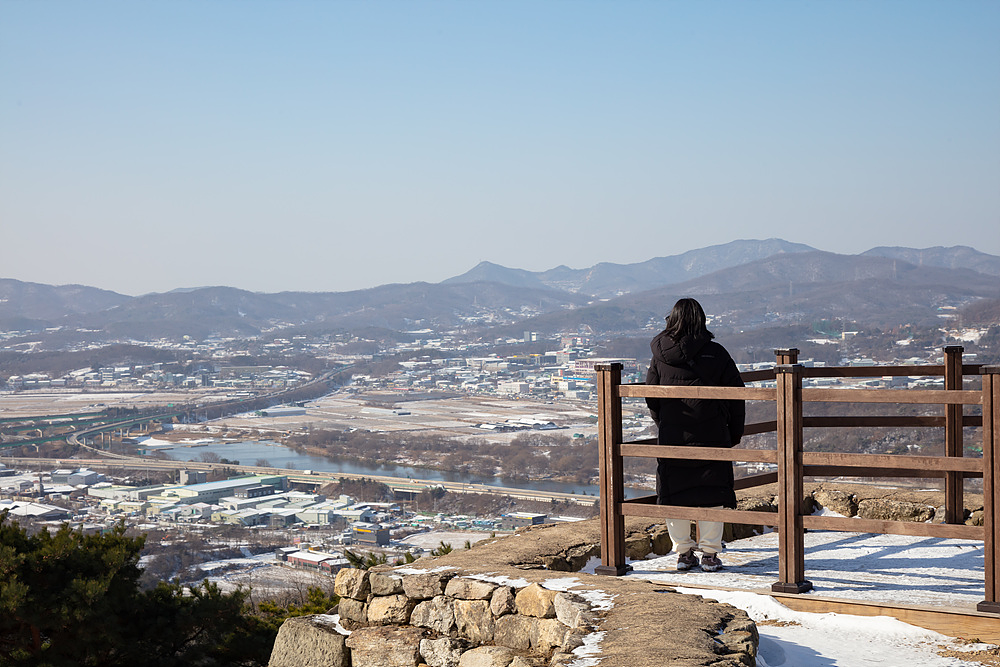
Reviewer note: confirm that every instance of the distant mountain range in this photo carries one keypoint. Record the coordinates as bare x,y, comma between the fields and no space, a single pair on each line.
794,289
754,282
956,257
606,279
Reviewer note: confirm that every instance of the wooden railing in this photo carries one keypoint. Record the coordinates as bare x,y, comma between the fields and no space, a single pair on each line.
793,463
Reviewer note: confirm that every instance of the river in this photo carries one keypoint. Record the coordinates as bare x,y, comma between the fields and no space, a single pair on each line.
281,456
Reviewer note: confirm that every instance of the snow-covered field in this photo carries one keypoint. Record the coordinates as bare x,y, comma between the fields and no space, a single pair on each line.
264,576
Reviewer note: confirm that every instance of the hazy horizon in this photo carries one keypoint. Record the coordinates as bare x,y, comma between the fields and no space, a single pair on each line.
191,288
305,146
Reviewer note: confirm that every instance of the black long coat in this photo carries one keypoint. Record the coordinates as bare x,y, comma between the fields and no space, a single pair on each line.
694,422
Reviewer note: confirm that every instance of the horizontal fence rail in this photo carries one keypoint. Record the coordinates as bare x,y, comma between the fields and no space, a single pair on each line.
793,464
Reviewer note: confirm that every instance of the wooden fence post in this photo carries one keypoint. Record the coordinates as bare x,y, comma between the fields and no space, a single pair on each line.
612,482
791,547
954,498
786,356
991,490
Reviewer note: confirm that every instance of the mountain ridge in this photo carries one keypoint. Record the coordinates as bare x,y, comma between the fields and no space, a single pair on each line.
609,279
877,286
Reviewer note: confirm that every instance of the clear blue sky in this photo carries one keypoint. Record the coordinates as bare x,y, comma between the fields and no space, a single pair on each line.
327,146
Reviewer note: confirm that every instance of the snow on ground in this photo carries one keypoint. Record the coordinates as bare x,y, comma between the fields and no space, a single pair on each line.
905,570
211,566
858,566
433,539
802,639
149,442
264,576
152,442
273,580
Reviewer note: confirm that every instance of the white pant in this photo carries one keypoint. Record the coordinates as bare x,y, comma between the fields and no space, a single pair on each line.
709,535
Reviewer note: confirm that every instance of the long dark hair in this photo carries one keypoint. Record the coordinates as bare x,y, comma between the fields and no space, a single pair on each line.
687,318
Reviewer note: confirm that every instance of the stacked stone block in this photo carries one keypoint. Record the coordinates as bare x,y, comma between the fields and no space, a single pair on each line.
438,619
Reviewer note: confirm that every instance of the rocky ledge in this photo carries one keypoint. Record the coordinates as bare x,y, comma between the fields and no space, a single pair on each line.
512,602
495,605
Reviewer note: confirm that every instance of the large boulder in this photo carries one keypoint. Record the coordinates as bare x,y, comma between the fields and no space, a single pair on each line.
353,613
352,583
836,501
474,620
659,541
386,646
463,588
886,509
437,614
425,585
487,656
571,610
443,652
638,546
514,630
390,610
384,583
305,641
536,601
503,601
548,633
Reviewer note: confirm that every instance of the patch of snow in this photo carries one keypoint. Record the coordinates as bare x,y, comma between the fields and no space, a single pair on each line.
150,442
859,566
592,564
826,511
805,638
563,584
906,570
228,562
332,620
499,579
586,654
599,600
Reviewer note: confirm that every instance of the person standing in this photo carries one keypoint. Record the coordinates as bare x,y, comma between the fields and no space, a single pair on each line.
684,354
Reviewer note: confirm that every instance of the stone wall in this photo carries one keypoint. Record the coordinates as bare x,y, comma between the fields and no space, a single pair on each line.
406,618
457,614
